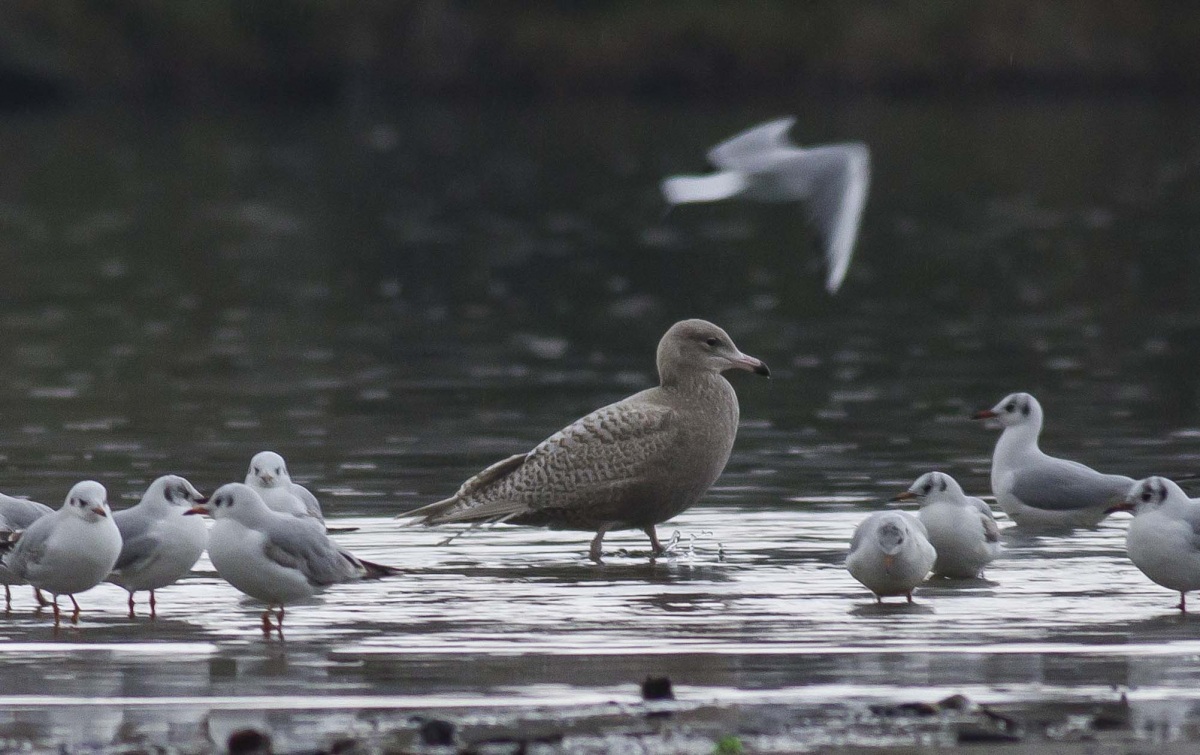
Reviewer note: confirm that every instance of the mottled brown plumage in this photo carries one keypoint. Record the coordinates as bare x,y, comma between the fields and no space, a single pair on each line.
628,465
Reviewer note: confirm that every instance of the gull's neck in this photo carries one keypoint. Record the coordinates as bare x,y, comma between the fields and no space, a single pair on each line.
1016,442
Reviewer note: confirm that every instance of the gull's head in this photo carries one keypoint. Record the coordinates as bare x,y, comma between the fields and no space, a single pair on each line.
1150,494
1015,410
932,487
267,470
231,501
891,535
695,347
174,491
88,500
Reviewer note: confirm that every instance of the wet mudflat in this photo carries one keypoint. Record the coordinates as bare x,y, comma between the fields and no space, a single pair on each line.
393,318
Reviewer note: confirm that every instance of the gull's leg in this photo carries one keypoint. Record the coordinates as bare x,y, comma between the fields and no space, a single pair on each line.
279,620
153,603
131,613
41,599
7,600
56,612
909,595
594,550
656,548
75,613
266,620
1182,602
878,600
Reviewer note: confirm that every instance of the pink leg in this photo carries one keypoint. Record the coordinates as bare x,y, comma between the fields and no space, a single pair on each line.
41,599
131,613
1183,602
153,604
266,620
56,612
656,548
75,613
7,599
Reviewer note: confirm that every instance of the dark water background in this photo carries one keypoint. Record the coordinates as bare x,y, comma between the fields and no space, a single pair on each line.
395,301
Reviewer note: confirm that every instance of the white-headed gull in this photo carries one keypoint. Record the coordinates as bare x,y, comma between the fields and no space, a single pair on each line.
961,528
890,554
1163,539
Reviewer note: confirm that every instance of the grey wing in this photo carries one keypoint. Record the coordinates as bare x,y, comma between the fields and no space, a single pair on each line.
982,507
138,541
30,548
19,514
310,501
750,149
839,176
1061,485
302,544
593,458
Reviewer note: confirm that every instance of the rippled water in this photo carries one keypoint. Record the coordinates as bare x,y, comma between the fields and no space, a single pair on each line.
395,302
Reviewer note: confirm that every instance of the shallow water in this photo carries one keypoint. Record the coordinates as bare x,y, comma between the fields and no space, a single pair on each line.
394,302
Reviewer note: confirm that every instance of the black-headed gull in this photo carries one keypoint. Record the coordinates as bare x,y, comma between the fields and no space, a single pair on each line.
268,475
159,543
629,465
761,164
961,528
71,550
276,558
1041,491
17,514
890,554
1163,539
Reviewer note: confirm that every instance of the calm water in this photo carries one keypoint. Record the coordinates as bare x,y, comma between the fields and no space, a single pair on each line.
394,302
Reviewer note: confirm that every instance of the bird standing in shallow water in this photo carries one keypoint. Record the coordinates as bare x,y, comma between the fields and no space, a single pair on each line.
1041,491
1163,540
890,554
276,558
17,514
628,465
71,550
268,475
159,543
961,528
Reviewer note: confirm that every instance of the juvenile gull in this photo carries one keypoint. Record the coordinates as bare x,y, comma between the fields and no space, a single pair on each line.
159,544
628,465
276,558
17,514
1163,539
761,164
268,475
961,528
890,554
70,550
1041,491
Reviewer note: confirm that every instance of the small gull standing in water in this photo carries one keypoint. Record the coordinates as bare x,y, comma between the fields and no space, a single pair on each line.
629,465
268,475
961,528
17,514
1041,491
890,554
1163,539
273,557
159,544
71,550
761,164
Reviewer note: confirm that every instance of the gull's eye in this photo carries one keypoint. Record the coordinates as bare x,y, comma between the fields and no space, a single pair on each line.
1010,407
928,487
278,471
1146,496
713,342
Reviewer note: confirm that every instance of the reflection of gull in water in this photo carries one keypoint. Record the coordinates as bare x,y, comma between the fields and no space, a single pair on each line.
761,164
1038,490
1164,536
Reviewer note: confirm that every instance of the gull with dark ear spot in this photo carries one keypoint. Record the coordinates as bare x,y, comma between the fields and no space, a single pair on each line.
273,557
760,164
159,543
890,554
17,514
71,550
1041,491
1163,540
268,475
628,465
961,528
